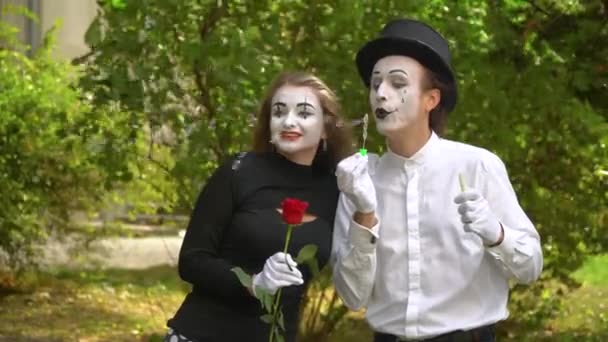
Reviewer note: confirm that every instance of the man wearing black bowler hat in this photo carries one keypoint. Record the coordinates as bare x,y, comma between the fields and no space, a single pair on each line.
428,235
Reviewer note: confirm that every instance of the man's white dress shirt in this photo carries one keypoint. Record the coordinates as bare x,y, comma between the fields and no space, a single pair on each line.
418,273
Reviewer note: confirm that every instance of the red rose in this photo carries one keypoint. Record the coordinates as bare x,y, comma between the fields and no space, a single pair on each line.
293,210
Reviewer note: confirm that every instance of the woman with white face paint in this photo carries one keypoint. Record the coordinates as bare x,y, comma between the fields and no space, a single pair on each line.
428,235
236,221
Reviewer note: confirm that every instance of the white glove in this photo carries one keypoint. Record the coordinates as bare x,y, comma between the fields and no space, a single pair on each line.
355,182
477,217
276,274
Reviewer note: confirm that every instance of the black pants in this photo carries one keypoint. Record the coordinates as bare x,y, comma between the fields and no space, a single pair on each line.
481,334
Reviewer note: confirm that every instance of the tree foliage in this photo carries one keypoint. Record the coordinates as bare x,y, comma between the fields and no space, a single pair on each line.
58,153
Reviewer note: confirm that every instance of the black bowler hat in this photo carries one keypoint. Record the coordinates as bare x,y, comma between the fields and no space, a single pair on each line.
406,37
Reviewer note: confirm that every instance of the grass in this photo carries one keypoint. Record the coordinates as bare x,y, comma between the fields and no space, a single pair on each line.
594,272
109,305
129,305
585,315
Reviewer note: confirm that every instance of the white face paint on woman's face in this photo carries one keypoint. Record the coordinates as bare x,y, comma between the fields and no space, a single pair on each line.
296,122
395,93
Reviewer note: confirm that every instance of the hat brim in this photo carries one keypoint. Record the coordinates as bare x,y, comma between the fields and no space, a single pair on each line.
379,48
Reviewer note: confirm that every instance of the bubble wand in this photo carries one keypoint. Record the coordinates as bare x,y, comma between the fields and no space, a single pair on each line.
463,186
362,150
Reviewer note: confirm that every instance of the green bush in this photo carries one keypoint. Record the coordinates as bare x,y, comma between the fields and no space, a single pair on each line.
58,152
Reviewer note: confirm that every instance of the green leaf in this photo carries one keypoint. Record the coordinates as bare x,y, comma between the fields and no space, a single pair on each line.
314,266
307,256
280,319
244,278
267,318
268,301
306,253
118,4
265,298
93,35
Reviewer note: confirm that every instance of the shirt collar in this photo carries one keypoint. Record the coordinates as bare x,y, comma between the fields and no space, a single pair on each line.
420,157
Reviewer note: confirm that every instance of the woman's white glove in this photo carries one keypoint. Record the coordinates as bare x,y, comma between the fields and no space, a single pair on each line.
277,274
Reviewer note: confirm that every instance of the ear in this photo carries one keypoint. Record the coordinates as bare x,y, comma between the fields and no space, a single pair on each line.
432,99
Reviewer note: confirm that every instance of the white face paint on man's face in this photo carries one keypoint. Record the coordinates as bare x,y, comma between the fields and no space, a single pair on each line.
394,93
296,121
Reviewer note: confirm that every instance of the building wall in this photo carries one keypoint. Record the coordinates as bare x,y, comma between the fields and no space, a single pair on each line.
27,29
73,17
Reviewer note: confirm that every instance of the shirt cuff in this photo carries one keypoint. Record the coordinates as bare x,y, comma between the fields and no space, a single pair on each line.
506,247
363,238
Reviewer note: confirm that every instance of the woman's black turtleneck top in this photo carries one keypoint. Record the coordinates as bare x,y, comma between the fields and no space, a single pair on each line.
235,222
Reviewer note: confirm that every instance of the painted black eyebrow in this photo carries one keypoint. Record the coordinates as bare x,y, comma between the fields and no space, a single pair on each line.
398,71
305,104
277,104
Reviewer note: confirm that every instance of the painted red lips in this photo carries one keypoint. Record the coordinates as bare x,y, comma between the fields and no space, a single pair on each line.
290,135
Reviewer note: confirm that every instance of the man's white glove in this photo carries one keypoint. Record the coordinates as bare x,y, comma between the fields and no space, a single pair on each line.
477,216
355,182
276,274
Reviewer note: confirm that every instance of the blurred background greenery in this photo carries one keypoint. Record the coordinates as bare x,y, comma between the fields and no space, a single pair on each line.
167,88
